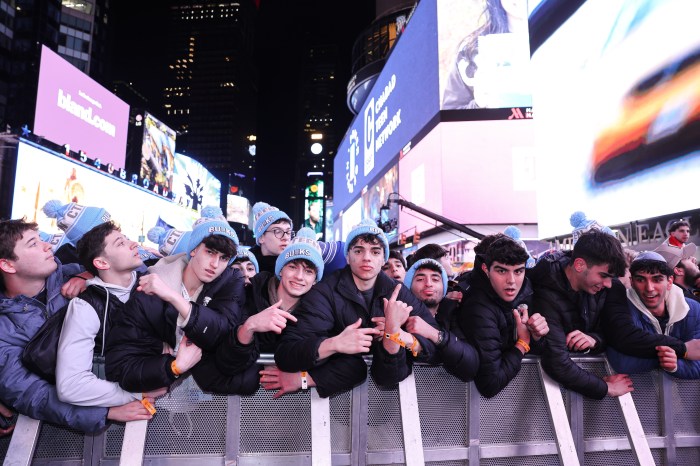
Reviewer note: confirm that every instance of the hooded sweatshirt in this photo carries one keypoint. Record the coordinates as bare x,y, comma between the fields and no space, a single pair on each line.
75,381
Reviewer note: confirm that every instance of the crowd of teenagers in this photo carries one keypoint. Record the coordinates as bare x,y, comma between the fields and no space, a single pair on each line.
94,328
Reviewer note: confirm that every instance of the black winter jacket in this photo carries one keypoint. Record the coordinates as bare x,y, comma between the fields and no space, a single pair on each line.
324,312
265,263
458,357
488,323
135,356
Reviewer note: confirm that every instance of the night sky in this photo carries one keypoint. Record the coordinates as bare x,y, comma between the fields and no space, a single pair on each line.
284,28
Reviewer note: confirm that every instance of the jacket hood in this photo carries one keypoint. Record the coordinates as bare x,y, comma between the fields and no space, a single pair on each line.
676,306
122,293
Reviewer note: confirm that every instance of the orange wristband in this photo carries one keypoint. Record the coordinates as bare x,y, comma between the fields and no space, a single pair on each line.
525,346
149,407
173,367
414,346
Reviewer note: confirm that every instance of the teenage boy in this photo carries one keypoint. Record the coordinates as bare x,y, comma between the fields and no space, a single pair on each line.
335,322
273,232
495,315
113,260
428,282
659,307
31,292
684,265
272,301
246,262
182,310
395,267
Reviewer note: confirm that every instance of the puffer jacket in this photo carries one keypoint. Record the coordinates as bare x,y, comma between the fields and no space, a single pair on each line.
683,323
458,357
488,323
27,393
325,312
135,357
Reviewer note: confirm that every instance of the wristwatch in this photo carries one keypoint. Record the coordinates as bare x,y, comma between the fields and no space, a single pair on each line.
440,338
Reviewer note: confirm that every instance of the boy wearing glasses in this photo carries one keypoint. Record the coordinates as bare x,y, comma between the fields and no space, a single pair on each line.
273,232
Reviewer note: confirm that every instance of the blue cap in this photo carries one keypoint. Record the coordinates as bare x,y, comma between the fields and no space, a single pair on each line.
408,280
303,246
368,227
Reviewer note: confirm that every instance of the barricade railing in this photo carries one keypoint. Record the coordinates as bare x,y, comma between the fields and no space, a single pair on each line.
432,418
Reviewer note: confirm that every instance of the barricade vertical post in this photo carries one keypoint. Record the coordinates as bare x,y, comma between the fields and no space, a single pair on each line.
320,430
410,421
134,443
557,411
474,407
359,419
667,424
23,442
577,430
633,425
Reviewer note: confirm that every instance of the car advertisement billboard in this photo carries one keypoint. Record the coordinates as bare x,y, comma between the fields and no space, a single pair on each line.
42,176
73,109
618,114
193,185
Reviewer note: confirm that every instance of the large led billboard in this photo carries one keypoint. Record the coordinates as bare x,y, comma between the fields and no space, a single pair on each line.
402,101
485,174
193,185
73,109
158,152
42,176
237,209
618,113
484,54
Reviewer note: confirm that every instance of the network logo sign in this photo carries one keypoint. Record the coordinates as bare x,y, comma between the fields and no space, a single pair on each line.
369,137
351,166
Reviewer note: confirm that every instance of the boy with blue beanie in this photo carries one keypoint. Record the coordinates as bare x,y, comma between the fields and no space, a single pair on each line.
273,232
188,303
353,311
427,280
271,301
247,263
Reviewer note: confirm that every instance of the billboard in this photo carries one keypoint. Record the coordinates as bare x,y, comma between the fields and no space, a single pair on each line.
484,174
313,207
73,109
618,123
237,209
42,176
402,101
484,54
158,152
193,185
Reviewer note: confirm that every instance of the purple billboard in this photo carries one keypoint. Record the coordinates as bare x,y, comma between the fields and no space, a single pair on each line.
73,109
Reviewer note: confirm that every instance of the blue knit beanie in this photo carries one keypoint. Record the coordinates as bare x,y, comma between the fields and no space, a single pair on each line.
332,259
367,227
244,254
74,219
170,241
56,240
206,226
265,215
303,246
581,225
408,280
514,233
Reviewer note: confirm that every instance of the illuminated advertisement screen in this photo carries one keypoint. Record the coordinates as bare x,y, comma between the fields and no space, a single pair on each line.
313,208
484,54
158,152
403,100
477,172
42,176
73,109
237,209
193,185
618,124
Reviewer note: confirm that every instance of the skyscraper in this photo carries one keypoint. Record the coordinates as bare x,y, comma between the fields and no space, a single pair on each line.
210,92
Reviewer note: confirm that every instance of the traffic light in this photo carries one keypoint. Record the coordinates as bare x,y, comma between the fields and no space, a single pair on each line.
402,238
416,237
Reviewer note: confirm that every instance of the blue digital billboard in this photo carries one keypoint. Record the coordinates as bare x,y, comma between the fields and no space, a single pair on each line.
404,99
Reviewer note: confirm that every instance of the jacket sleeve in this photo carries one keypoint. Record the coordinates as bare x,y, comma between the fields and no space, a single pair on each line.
133,358
626,364
497,367
32,396
75,381
210,379
688,369
624,336
557,360
233,357
458,357
208,325
298,347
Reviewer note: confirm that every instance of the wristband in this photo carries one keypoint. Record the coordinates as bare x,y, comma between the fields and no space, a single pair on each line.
396,338
149,407
414,346
525,346
304,381
176,371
